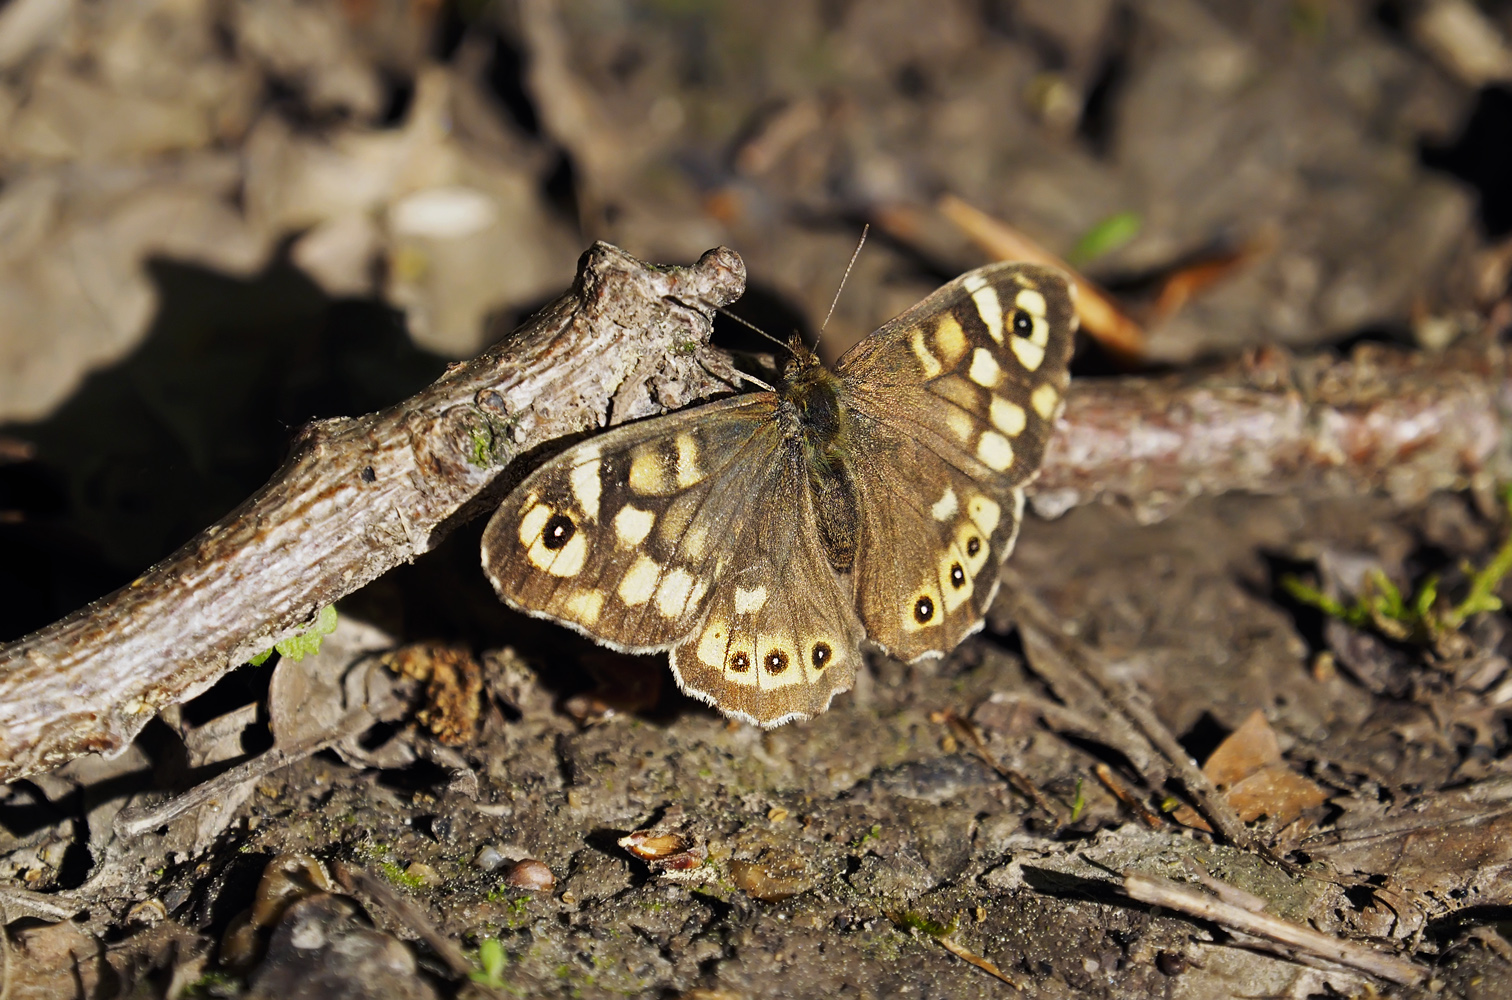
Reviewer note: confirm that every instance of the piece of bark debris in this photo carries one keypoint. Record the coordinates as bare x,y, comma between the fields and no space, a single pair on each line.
453,688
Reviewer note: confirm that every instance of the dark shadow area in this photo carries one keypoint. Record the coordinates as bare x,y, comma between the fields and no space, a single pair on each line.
1204,736
768,310
1066,886
1481,156
154,448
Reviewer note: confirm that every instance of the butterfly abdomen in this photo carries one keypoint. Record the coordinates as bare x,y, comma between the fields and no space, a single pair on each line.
817,428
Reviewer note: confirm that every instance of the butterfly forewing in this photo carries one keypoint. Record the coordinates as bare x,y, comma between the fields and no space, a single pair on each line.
951,405
623,536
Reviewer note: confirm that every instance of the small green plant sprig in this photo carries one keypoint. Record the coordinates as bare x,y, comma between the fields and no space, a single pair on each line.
306,643
491,960
1381,605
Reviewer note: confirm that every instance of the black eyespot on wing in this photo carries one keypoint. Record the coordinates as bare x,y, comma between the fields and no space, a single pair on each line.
973,545
740,662
776,661
923,610
1022,324
559,531
957,576
821,655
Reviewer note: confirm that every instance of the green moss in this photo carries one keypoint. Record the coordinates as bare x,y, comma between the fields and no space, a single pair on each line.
213,984
399,876
482,449
915,920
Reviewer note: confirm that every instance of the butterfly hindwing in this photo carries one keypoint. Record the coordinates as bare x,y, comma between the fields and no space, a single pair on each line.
781,637
929,563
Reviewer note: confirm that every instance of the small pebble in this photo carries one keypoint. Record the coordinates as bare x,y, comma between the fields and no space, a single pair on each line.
489,858
423,873
530,874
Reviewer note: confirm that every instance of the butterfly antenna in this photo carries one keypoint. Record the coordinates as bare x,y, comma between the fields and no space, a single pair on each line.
748,324
859,244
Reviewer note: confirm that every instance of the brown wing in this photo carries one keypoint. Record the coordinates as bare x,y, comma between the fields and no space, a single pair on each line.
781,638
623,536
951,406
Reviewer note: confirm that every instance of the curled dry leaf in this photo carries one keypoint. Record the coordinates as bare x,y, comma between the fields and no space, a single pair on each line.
678,856
773,877
1249,769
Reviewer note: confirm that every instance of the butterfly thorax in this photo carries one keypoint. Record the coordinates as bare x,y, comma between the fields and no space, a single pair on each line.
815,427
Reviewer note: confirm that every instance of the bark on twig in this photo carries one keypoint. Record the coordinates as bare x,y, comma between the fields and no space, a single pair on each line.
355,498
1381,420
359,496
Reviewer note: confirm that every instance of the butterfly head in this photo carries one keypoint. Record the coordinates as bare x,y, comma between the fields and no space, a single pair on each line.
802,362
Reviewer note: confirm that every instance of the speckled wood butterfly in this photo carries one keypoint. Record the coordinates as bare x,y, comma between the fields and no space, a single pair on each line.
764,537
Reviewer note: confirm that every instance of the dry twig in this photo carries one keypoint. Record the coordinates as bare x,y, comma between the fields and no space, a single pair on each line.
1162,892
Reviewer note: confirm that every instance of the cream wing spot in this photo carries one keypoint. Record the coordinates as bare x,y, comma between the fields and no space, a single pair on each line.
958,391
748,601
950,339
984,370
973,546
924,608
565,561
673,521
777,663
585,607
639,583
927,360
1008,417
1031,301
587,488
956,578
1030,354
945,508
695,543
689,473
632,525
648,472
534,520
960,424
821,656
974,282
984,513
987,307
1045,401
1033,305
674,593
711,644
995,451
